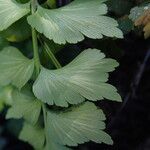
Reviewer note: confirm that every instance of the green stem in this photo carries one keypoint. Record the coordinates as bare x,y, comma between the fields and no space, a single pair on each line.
50,53
52,56
44,113
35,41
45,121
37,58
36,52
34,4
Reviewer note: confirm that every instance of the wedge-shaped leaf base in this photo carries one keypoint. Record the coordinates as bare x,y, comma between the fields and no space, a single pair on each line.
15,68
34,135
11,11
84,77
51,145
74,21
78,125
24,106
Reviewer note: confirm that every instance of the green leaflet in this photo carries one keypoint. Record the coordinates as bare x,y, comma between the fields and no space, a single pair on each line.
24,106
11,11
78,125
34,135
84,77
137,12
51,145
15,68
72,22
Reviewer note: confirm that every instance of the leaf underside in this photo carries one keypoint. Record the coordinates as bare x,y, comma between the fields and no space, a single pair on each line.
51,145
74,21
78,125
11,11
84,77
24,106
15,68
34,135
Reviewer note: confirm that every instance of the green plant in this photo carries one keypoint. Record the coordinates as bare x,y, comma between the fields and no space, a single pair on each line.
52,102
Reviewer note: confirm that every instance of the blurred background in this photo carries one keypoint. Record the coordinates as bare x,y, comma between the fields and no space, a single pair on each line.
128,123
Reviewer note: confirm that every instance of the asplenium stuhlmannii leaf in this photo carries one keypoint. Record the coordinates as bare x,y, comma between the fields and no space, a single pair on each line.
24,106
74,21
11,11
51,145
84,77
77,125
34,135
15,67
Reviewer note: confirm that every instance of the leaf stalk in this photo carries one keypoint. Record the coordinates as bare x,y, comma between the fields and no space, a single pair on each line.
52,56
35,41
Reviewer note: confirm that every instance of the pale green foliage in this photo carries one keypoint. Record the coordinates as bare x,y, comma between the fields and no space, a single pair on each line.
33,135
51,145
78,125
11,11
72,22
24,106
51,128
84,77
16,68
